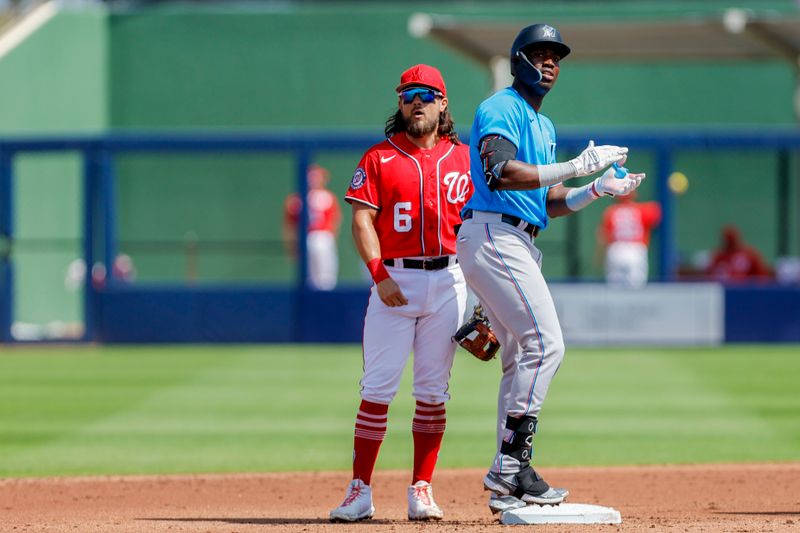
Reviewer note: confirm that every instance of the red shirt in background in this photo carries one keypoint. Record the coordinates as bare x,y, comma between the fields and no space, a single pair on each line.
736,261
627,221
323,210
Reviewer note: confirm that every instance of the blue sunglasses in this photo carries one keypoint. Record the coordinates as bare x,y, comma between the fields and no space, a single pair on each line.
425,95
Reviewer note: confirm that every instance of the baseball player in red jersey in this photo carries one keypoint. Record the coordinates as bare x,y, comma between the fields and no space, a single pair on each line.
406,195
323,227
625,234
734,261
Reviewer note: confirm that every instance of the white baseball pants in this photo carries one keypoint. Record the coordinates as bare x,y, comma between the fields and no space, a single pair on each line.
626,264
436,305
323,260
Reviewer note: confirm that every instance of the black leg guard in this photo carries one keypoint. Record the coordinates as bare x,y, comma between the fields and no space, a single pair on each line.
521,448
521,445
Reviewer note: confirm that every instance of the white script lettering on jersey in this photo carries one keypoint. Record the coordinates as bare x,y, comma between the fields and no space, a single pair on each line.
457,186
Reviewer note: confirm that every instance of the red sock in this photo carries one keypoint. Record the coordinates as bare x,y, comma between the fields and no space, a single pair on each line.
370,431
428,430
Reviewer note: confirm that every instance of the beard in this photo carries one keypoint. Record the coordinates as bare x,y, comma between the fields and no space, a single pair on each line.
421,128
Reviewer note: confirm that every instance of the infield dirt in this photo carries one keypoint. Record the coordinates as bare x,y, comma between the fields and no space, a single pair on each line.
731,498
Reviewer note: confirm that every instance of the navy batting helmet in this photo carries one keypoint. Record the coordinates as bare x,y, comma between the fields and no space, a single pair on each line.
537,34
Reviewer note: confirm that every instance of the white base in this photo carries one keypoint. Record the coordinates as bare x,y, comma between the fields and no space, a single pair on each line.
566,513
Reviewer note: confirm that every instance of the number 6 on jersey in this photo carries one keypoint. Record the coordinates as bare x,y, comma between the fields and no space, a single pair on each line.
402,217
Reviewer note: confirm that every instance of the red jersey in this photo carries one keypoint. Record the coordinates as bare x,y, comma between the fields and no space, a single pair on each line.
323,210
630,222
739,264
418,193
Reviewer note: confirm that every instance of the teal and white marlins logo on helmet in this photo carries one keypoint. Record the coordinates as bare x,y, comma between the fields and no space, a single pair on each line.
538,34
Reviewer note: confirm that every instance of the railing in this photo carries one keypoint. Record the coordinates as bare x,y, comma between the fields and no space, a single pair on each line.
98,153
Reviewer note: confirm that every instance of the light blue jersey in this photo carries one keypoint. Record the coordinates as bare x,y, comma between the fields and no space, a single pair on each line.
507,114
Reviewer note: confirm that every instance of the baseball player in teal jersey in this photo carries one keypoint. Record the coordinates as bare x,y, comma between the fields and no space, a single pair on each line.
518,186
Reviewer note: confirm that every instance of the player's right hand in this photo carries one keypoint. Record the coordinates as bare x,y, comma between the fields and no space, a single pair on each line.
596,158
389,292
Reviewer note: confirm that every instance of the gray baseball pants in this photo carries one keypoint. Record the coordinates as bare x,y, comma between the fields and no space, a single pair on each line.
503,268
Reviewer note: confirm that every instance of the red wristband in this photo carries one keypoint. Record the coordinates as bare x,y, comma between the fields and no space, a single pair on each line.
594,190
377,270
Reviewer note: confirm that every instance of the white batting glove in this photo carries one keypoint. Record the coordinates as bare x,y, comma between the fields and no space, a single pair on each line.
596,158
610,185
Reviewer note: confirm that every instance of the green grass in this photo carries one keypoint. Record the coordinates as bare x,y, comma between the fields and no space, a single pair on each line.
112,410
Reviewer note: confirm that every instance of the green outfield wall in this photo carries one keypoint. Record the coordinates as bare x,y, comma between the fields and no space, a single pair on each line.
54,81
332,66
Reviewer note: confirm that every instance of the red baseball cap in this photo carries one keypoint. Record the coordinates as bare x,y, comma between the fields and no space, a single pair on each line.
424,75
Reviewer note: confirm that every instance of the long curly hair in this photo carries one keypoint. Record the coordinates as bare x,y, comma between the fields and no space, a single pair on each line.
397,124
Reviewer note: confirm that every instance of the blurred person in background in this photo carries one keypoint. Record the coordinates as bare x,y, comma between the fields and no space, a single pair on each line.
406,194
735,261
324,216
122,270
624,235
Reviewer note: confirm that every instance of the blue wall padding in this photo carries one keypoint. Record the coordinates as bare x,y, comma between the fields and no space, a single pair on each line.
762,314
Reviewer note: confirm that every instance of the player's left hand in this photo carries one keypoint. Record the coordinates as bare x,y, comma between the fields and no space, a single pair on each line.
610,185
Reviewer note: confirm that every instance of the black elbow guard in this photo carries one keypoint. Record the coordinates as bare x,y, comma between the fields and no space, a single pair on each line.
496,151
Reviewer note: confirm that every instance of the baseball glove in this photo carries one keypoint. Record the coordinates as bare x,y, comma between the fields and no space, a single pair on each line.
476,336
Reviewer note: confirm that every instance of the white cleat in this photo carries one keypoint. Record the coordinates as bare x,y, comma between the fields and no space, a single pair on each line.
357,504
421,505
499,503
